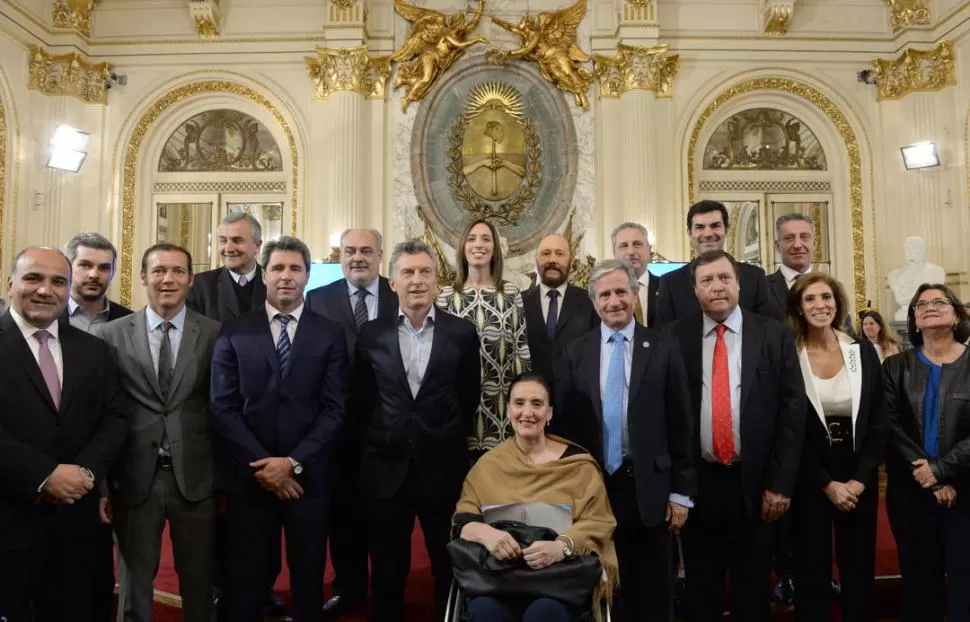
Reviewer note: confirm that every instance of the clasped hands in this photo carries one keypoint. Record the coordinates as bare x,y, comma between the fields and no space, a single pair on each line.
538,555
946,495
773,505
275,475
67,484
844,495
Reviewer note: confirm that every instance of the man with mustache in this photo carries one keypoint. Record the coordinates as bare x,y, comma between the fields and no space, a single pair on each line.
707,227
362,295
555,311
631,243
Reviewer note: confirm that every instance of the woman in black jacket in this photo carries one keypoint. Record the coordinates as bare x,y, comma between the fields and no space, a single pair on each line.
845,437
928,463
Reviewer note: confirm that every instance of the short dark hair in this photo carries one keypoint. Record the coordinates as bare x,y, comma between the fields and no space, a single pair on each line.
285,243
710,257
961,332
89,240
165,247
705,207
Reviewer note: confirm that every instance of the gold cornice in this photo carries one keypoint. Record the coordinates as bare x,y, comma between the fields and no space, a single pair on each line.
777,17
75,15
133,148
68,74
915,70
849,140
906,13
207,17
636,68
348,69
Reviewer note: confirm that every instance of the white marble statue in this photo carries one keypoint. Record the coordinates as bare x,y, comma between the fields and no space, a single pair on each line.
904,281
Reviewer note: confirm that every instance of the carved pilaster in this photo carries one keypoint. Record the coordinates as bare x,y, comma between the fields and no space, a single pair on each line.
75,15
348,69
640,11
208,16
927,70
776,17
636,68
68,74
906,13
345,11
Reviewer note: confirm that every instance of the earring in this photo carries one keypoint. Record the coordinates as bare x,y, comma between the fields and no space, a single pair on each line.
547,422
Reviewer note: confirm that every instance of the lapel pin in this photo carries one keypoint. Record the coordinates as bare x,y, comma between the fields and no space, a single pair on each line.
646,344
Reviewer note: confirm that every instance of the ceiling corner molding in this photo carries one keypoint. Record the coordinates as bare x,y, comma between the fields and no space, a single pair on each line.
75,15
915,71
907,13
68,74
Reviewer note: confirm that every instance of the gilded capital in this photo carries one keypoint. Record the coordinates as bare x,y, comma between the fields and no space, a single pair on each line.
636,69
776,17
207,17
75,15
348,69
916,70
906,13
68,74
343,4
640,11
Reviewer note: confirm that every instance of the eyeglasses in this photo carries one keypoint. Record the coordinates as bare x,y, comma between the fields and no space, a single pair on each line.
936,303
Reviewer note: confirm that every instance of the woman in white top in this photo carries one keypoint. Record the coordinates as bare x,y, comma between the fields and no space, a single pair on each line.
874,328
845,436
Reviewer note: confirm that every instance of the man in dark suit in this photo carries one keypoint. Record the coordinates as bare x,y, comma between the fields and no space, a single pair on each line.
362,295
279,383
164,352
237,287
417,386
707,226
555,311
63,421
622,393
748,403
631,243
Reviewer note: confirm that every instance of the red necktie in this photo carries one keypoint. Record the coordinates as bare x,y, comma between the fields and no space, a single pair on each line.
723,429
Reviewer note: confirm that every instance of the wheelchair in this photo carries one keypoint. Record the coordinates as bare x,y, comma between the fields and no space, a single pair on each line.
456,609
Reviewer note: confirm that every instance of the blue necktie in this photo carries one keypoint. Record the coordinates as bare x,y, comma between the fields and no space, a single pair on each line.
553,313
284,347
613,406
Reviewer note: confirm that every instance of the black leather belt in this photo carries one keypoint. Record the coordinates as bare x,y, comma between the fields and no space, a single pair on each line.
720,466
164,462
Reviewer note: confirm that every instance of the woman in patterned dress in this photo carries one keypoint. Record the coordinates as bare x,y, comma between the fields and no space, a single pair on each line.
495,307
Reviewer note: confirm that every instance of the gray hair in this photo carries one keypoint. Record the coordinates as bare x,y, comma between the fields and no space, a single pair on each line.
412,247
629,225
792,217
374,232
89,240
254,225
285,243
606,266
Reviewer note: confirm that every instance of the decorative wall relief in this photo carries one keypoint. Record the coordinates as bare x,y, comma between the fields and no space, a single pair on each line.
765,139
221,140
207,15
74,14
68,74
914,70
906,13
348,69
636,68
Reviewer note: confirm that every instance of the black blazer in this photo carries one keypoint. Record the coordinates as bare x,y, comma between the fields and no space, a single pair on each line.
772,402
333,302
212,294
576,318
429,432
89,429
871,421
659,421
115,311
653,290
676,298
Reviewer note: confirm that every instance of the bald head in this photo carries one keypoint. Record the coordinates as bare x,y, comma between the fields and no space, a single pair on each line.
39,284
553,259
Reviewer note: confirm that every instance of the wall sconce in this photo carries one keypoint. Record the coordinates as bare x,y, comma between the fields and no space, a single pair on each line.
334,246
68,149
920,155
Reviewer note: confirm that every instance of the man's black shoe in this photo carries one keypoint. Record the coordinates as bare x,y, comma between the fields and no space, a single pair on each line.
339,605
274,607
785,591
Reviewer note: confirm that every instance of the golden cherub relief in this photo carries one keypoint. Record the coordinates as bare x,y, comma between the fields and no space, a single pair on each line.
434,43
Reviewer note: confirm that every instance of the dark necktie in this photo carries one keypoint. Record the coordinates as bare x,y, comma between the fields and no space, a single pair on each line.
553,313
283,346
165,359
360,307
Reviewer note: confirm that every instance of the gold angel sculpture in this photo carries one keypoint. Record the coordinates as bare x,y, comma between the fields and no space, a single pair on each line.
550,41
435,42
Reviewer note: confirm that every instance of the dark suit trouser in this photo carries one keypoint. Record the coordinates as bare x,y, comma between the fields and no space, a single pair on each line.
192,531
53,578
814,519
104,574
721,537
254,524
348,526
934,551
389,529
645,556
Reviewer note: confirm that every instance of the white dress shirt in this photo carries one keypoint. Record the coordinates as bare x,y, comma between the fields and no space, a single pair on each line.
249,275
274,322
732,339
544,299
791,274
53,342
371,301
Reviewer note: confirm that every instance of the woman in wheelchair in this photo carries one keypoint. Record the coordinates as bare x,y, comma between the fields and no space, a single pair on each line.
537,479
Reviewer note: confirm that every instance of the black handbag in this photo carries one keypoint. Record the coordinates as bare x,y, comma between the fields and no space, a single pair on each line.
479,573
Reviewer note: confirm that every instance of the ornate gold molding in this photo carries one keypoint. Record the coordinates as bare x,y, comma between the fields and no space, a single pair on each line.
777,17
640,11
346,11
343,4
132,152
853,153
75,15
636,69
207,17
348,69
906,13
68,74
914,70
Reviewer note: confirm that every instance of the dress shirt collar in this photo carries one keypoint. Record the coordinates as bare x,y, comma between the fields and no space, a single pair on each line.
29,329
72,307
627,331
733,322
155,320
644,279
271,312
791,273
372,288
249,275
545,289
428,318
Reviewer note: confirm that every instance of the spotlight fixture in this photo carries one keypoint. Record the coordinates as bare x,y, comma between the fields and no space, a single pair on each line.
68,149
920,155
867,76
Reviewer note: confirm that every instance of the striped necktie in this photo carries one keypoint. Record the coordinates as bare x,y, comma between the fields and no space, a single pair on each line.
284,347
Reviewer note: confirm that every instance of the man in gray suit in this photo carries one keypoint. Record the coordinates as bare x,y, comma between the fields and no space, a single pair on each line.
165,472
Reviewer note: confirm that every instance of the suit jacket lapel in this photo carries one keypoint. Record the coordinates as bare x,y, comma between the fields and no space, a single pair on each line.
259,289
641,355
227,294
533,310
387,304
591,362
344,304
266,339
138,333
438,340
852,357
569,303
751,340
12,335
394,347
810,389
190,337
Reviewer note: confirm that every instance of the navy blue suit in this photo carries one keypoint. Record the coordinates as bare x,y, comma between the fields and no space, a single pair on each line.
257,413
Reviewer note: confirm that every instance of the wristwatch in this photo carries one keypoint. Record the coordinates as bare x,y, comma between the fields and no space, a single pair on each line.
297,467
567,547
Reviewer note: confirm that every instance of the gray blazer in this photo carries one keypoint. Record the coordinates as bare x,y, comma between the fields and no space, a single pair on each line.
185,415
